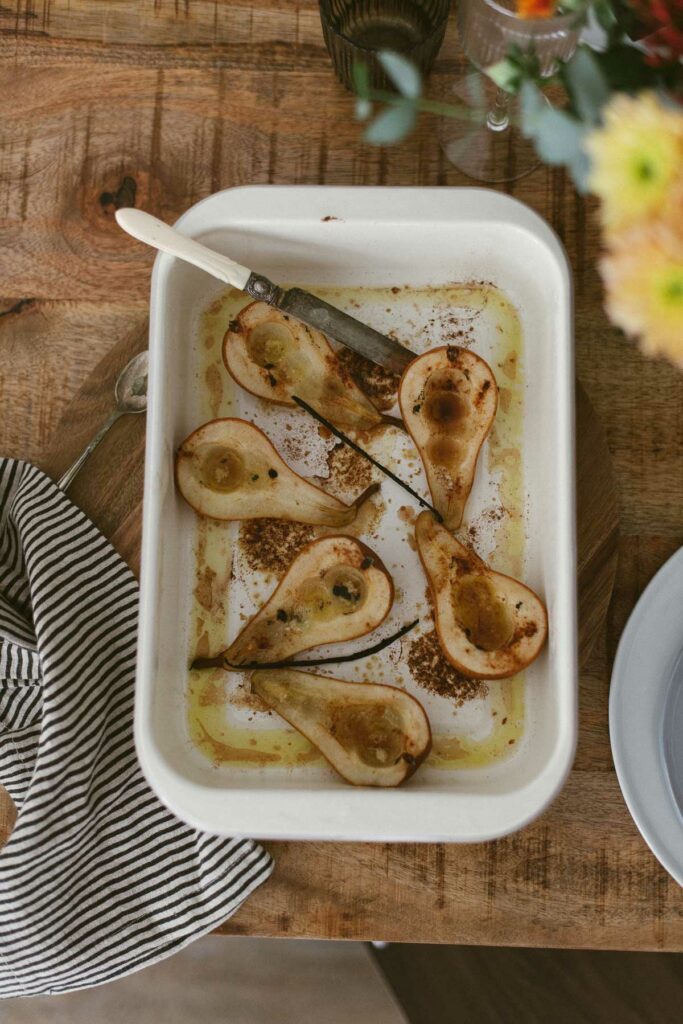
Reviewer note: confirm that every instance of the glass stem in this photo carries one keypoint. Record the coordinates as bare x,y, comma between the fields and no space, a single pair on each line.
498,119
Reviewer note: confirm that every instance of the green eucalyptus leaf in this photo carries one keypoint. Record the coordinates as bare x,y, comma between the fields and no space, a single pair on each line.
604,15
360,76
558,136
579,169
586,85
363,109
569,6
532,104
402,72
559,139
392,125
505,74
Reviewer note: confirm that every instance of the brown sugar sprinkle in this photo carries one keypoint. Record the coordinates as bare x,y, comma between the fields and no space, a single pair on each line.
295,446
379,384
453,332
213,695
407,514
270,545
348,471
203,590
450,329
430,669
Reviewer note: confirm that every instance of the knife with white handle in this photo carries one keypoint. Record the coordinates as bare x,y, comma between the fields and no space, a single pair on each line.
294,301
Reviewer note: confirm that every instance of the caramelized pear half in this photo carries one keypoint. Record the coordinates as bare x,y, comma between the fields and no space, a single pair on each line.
489,625
275,356
228,469
448,399
335,589
372,735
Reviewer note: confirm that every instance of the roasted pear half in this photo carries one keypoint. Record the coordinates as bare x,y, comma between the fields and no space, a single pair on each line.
489,625
372,735
335,589
448,399
228,469
275,356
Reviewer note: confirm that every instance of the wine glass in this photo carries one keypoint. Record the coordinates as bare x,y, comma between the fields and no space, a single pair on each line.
485,140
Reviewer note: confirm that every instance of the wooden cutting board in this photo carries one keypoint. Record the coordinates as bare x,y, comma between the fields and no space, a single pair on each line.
109,489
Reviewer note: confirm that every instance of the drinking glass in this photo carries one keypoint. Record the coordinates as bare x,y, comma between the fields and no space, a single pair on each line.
356,29
485,141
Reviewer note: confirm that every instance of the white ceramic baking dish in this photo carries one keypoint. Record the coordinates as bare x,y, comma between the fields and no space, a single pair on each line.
348,237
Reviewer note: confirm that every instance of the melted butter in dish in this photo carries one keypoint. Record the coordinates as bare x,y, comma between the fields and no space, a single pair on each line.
474,724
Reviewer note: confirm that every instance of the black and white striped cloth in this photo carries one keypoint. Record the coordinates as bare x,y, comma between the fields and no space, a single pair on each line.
98,879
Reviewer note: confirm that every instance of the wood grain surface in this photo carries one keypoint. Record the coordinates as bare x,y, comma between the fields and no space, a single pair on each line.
110,102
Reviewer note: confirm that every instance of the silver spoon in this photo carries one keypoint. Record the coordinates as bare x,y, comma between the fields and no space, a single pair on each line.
130,393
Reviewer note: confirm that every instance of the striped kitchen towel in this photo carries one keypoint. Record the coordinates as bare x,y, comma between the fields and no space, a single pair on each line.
98,879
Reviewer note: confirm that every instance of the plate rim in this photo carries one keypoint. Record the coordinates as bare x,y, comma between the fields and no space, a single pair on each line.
631,782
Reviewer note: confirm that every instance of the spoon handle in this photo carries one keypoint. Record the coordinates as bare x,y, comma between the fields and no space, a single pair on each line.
67,479
161,236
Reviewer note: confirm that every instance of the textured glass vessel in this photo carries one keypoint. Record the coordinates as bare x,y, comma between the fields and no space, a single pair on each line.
486,142
356,29
489,29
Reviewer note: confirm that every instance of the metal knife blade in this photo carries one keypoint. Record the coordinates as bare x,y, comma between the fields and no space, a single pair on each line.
332,321
300,304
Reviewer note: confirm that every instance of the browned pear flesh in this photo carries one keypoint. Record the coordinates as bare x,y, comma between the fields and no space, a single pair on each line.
275,356
373,735
490,626
335,589
448,399
228,469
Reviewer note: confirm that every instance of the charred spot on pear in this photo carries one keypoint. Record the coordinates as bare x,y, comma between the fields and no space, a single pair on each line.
335,589
489,625
373,735
275,356
228,469
448,399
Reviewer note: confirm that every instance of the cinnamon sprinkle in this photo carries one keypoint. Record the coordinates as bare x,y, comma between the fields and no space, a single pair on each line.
348,471
270,545
429,669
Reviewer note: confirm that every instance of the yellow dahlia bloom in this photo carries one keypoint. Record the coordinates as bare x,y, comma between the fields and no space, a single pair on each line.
637,159
643,276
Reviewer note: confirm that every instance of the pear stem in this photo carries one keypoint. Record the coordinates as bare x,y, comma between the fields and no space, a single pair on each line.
221,662
367,493
366,455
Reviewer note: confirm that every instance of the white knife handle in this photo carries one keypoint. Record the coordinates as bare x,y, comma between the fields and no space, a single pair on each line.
154,232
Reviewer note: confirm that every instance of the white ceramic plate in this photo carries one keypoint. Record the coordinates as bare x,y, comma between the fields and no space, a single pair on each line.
646,715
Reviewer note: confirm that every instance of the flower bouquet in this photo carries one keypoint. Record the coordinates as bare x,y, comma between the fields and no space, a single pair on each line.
619,134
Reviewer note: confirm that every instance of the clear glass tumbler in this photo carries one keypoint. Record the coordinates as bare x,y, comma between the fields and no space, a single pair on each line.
485,141
356,29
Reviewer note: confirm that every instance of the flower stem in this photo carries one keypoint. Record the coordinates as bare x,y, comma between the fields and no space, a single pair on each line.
425,105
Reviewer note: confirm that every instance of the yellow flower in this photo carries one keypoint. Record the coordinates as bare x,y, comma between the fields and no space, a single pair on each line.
643,275
637,158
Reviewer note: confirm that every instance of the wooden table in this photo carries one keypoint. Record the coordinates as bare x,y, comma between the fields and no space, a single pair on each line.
108,102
